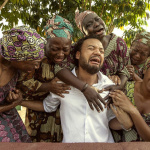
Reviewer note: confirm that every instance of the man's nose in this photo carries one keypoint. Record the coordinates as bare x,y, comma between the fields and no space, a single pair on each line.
97,52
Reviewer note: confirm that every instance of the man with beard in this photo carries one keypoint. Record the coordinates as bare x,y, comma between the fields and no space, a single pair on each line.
79,122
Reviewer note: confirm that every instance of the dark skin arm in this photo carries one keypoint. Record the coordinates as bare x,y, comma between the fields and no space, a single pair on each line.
34,105
54,87
123,79
91,95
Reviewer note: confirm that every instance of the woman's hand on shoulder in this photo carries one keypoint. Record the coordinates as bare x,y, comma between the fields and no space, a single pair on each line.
59,88
94,99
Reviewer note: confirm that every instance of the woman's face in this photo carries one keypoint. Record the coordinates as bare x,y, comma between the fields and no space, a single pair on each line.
139,53
93,24
57,49
26,66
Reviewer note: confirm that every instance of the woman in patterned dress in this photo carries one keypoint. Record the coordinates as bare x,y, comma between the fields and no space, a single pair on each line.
116,53
137,105
21,49
42,126
139,55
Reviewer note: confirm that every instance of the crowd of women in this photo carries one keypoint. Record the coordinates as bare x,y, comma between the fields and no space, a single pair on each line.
33,65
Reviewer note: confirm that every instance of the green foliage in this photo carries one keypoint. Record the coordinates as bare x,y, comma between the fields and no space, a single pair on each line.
115,13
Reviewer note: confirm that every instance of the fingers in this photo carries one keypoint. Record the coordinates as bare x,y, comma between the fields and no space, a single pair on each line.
101,99
108,88
91,106
56,79
61,95
130,69
97,106
100,91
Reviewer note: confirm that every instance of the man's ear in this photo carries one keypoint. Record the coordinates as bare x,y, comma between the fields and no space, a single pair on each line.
77,55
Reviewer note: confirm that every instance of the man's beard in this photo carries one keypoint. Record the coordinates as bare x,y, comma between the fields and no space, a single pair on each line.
91,69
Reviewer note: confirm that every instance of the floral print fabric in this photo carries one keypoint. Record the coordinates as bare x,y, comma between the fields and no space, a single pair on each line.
12,128
22,43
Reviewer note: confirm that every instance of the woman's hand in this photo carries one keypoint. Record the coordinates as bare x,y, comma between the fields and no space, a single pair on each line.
121,100
58,88
130,69
115,79
15,97
123,117
94,98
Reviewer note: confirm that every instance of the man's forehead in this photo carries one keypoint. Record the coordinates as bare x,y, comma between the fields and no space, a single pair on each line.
93,42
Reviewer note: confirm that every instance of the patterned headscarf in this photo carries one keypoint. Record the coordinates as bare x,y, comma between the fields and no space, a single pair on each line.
22,43
143,37
79,17
58,27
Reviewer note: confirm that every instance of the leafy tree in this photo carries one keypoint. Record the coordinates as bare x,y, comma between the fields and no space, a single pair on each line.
115,13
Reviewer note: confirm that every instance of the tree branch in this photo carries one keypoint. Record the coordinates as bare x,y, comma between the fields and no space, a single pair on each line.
60,5
3,4
90,4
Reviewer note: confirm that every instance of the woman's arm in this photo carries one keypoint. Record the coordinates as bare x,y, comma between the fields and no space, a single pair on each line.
91,95
34,105
122,120
7,107
121,100
123,79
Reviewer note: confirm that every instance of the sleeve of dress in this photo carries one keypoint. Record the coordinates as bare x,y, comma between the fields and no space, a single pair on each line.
66,63
27,84
123,56
51,103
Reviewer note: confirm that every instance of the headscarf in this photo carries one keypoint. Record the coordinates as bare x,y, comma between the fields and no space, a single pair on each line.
22,43
79,17
58,27
143,37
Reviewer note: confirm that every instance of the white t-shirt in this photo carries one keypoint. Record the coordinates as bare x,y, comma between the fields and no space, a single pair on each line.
79,122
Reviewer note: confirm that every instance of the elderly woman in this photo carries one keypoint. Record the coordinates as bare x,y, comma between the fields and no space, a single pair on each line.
116,53
137,105
43,126
21,49
139,55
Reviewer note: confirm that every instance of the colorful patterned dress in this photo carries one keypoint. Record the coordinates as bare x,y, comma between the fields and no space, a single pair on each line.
116,57
12,128
130,136
140,69
41,126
